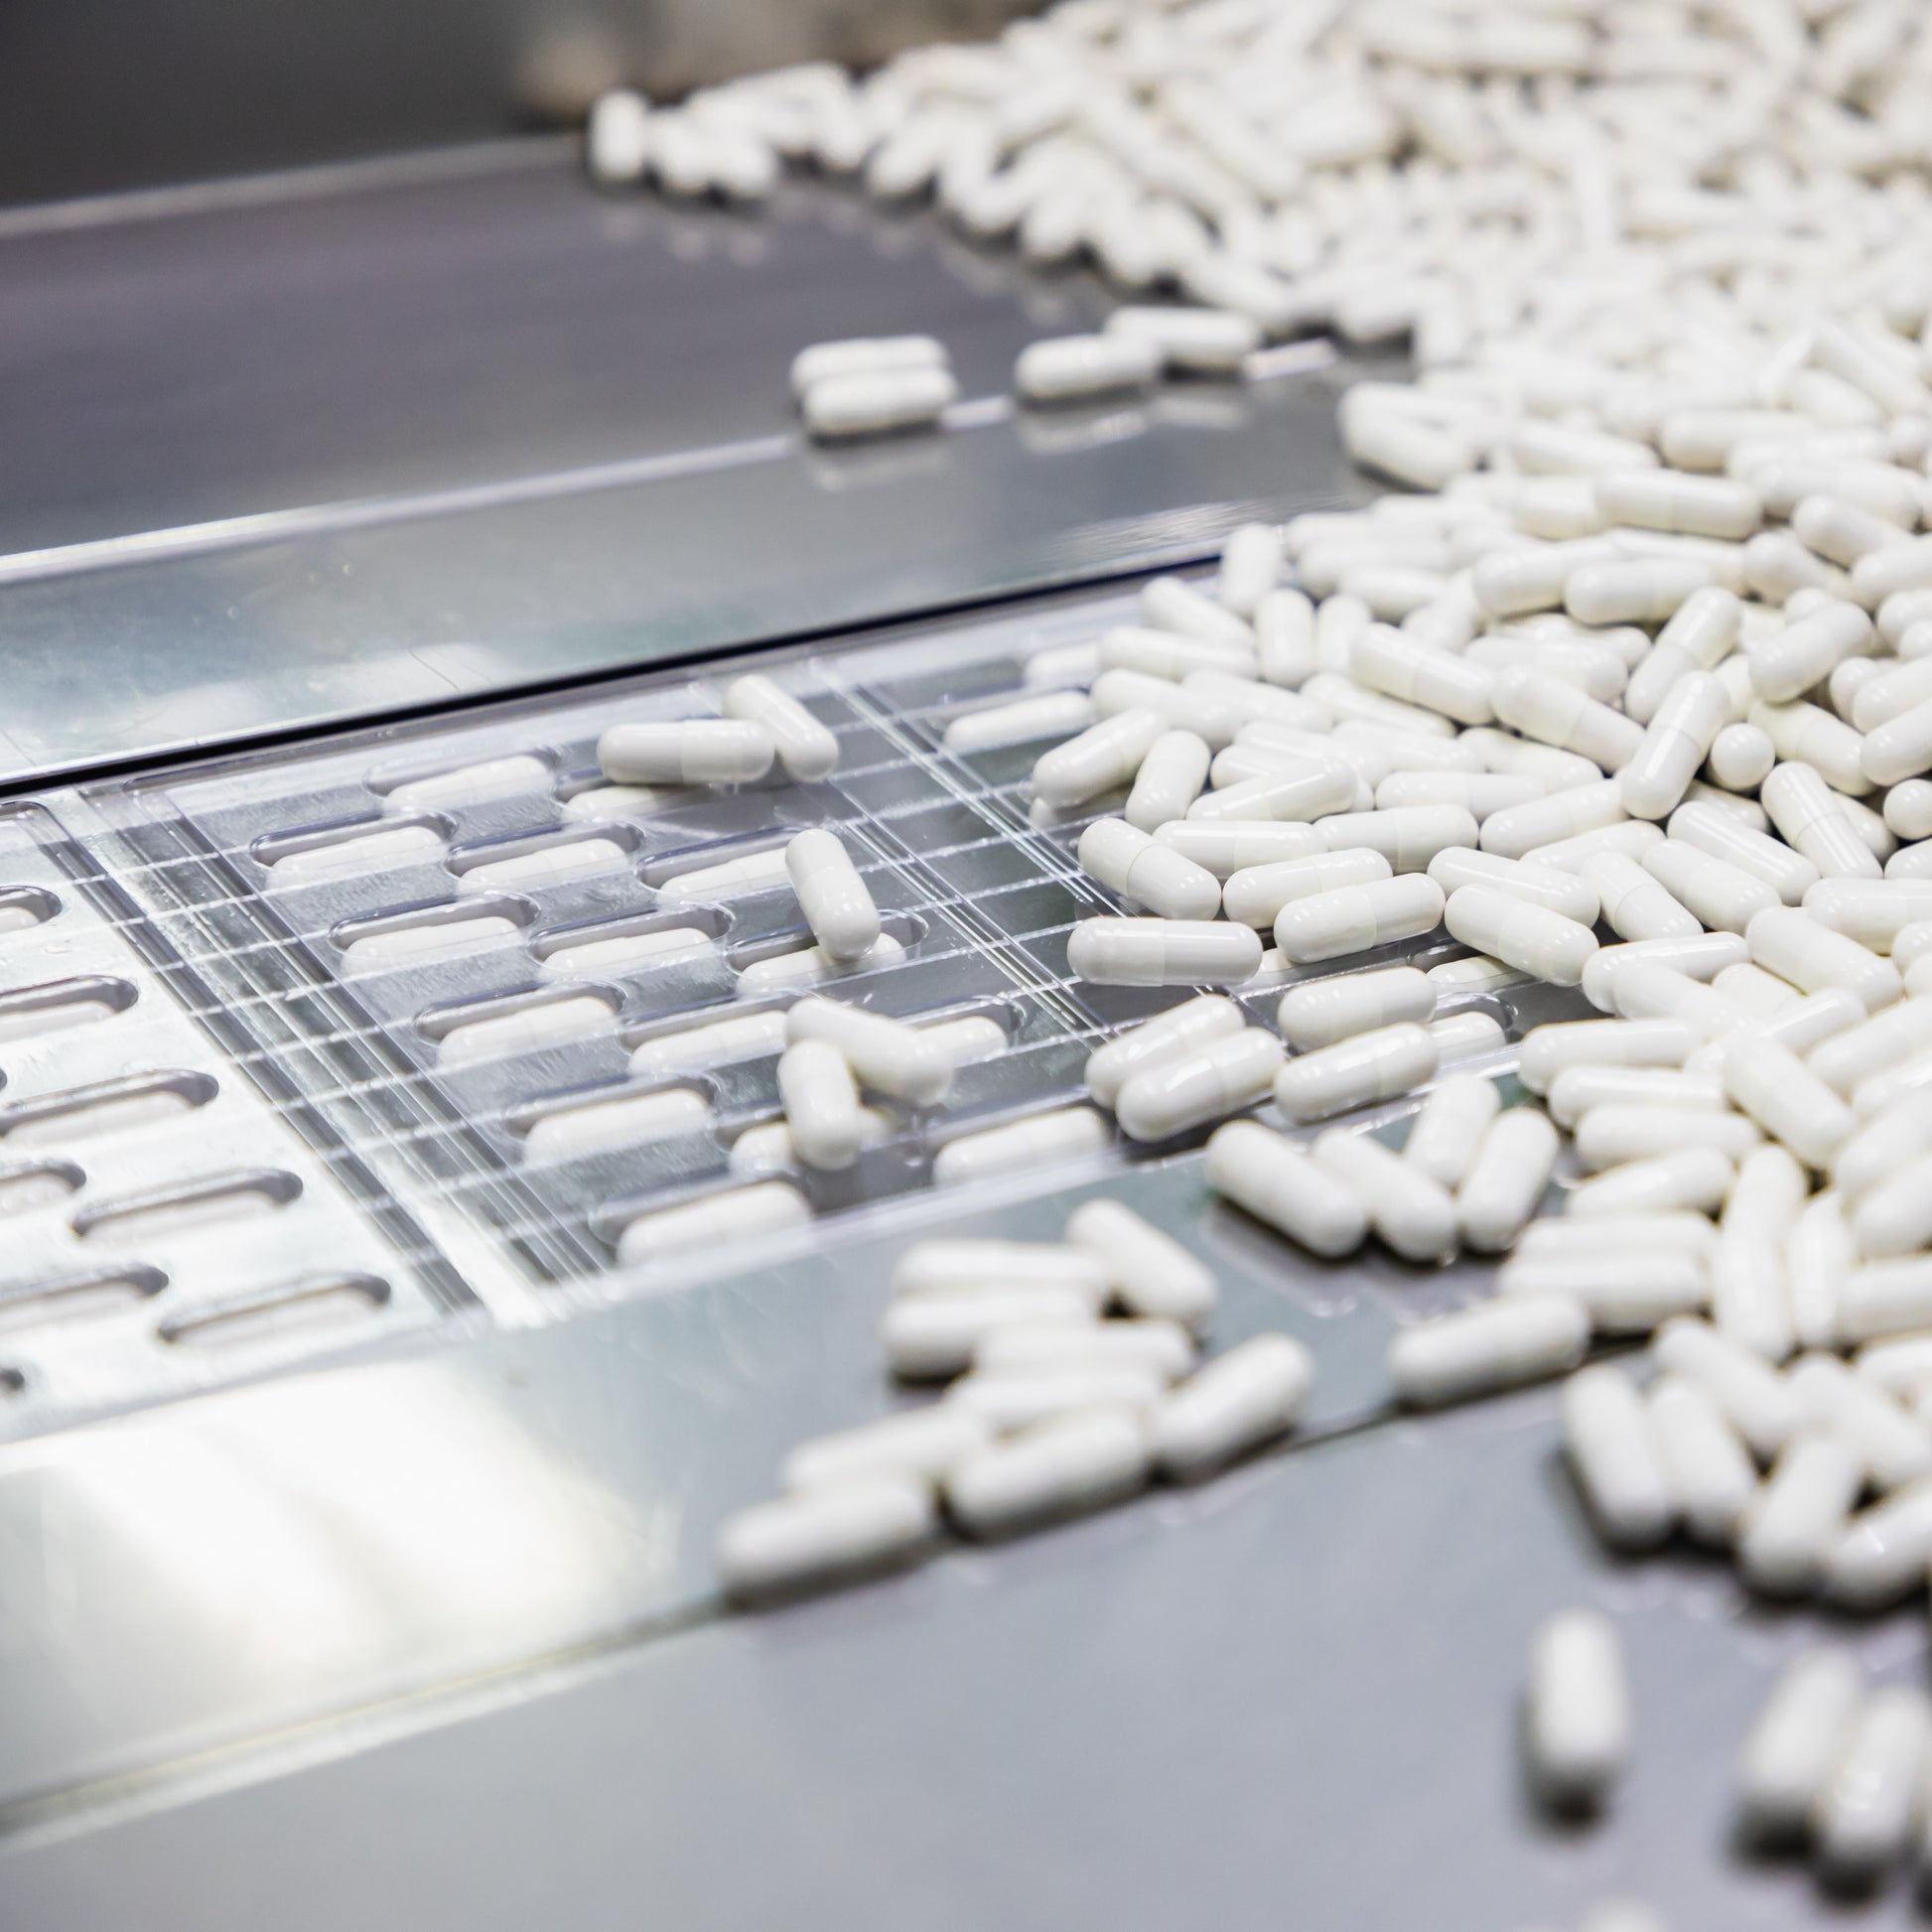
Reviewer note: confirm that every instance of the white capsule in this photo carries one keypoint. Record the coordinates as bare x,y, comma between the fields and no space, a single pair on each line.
1356,918
1055,715
730,878
1519,933
1788,662
1215,1080
1544,823
1167,1037
1230,845
1066,368
1893,1447
1710,830
1155,875
864,356
1506,1179
1709,1471
919,1443
1284,622
1170,604
1695,1177
1151,1273
1170,653
1170,780
1607,1431
1644,589
1796,1745
1103,756
1163,952
1549,1049
1818,1255
1016,1398
1891,693
1561,892
1799,948
1407,836
695,750
1740,756
1289,789
1354,1072
1206,341
1715,891
1160,1350
1788,1100
1883,1555
1789,1531
1324,1011
1885,1298
1890,1139
1060,1467
1256,895
1865,1815
1659,771
812,965
1446,1135
1873,912
1059,1134
1388,661
1612,1136
887,1054
1251,566
1577,1715
874,402
946,1265
734,1214
1275,1181
821,1103
1632,837
1753,1397
933,1335
824,1534
837,906
1542,706
1890,1038
1484,1350
1810,817
1667,499
1634,904
1236,1402
807,750
1411,1214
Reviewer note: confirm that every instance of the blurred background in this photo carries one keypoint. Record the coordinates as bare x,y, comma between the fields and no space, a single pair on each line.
98,94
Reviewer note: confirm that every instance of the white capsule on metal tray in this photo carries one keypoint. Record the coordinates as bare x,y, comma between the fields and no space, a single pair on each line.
1231,1405
1055,715
876,401
1625,1295
1481,1350
1445,1135
1104,755
1063,369
823,1535
1322,1011
1710,1471
1264,1173
1608,1434
1069,1463
1256,895
1354,1072
1292,790
1409,1211
693,751
1865,1816
1151,1273
1208,1083
864,356
946,1265
1170,780
1893,1447
1506,1179
1211,341
821,1103
918,1442
933,1335
1577,1717
1792,1526
1169,1036
1796,1743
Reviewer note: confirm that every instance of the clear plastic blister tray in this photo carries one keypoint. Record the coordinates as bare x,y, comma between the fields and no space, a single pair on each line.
165,1224
532,1009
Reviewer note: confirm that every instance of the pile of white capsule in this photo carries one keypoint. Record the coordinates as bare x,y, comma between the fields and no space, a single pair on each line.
1630,691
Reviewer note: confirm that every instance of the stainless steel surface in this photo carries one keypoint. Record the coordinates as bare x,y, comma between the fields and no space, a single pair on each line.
414,441
1288,1698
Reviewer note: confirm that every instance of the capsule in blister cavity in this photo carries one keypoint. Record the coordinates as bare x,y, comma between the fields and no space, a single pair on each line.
876,401
1357,918
1055,715
1150,1273
694,750
1170,780
1153,875
837,906
1493,1347
1405,1209
1058,1467
1163,952
1607,1431
824,1534
1325,1011
807,750
1256,895
734,1215
1220,1078
1355,1073
1066,368
887,1054
1059,1134
1446,1134
1274,1181
1106,755
1231,1405
1506,1179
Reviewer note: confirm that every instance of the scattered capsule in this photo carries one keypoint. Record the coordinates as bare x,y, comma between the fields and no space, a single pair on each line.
1275,1181
887,1054
1169,1036
1493,1346
1410,1212
1507,1179
1863,1817
832,895
1608,1434
1796,1745
876,401
1709,1469
824,1534
1150,1273
693,752
1446,1135
807,750
1060,1467
1163,952
1212,1081
1235,1402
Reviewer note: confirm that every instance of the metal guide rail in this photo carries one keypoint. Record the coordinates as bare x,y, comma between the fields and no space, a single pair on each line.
490,1016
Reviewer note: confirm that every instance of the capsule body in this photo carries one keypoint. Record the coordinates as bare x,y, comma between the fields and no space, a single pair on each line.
1493,1346
1354,1072
1168,1036
1163,952
1066,368
1520,933
1150,1273
1220,1078
1275,1181
824,1534
1507,1179
1608,1434
1155,875
873,401
1326,1011
1356,918
832,895
692,752
1405,1209
807,750
1447,1133
1233,1404
887,1054
1255,895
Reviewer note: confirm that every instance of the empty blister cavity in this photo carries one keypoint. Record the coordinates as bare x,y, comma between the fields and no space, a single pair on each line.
27,1186
78,1296
22,908
131,1101
278,1314
57,1005
183,1208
